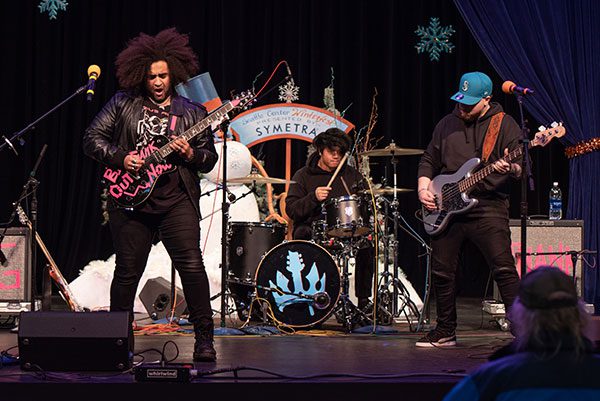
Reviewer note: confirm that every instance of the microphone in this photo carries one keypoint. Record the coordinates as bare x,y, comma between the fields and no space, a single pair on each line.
289,72
512,88
321,300
93,74
230,195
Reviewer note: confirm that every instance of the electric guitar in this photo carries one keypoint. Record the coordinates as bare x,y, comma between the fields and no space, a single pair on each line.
55,273
451,190
129,189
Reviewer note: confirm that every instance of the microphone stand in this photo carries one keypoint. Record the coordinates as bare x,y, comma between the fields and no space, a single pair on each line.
224,226
525,175
8,142
30,188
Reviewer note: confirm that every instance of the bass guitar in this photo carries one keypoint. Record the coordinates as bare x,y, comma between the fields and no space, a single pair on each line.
451,191
129,190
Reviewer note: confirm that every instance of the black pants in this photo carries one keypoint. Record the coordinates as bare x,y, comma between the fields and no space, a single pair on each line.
492,237
179,230
365,264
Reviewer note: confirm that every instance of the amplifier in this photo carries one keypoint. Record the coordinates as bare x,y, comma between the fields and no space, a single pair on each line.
15,271
549,243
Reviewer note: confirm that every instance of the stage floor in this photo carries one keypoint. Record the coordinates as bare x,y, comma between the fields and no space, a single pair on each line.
386,364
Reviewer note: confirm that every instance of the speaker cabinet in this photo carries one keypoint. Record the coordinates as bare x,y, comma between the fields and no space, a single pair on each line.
75,341
156,298
549,243
15,272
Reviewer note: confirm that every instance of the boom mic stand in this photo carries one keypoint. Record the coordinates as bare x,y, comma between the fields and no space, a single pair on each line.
30,188
224,227
525,175
8,142
33,183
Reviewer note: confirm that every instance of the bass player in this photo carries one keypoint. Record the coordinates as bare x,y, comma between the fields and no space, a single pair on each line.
477,127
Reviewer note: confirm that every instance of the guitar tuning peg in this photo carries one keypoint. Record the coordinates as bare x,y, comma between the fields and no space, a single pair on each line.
554,124
541,128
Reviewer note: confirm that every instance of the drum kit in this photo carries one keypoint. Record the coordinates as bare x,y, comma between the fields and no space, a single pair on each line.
302,283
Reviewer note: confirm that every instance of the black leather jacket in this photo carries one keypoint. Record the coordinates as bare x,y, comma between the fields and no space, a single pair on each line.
112,134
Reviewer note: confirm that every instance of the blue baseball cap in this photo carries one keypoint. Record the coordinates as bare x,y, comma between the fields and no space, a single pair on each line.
473,87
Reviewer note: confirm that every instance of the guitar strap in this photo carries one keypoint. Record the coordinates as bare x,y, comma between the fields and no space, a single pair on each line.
491,136
173,123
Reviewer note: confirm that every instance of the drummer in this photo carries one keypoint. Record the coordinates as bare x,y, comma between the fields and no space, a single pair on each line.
310,190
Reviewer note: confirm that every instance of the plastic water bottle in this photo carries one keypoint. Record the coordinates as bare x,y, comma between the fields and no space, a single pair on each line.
555,198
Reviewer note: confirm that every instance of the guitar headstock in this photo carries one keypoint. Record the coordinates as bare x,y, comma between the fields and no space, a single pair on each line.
244,100
23,219
545,135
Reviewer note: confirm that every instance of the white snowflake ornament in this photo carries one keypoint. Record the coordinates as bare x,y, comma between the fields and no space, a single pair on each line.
289,92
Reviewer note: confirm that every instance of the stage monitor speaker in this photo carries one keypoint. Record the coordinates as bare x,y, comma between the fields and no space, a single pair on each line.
15,270
75,341
156,297
549,236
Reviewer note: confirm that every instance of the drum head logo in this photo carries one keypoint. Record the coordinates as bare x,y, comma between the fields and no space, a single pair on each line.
349,210
296,266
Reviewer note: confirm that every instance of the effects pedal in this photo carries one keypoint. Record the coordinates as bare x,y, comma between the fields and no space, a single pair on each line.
155,372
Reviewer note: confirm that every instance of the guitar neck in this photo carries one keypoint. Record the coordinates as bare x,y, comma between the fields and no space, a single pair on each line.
56,274
467,183
215,117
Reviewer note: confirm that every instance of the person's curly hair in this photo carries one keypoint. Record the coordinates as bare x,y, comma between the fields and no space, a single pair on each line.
333,138
168,45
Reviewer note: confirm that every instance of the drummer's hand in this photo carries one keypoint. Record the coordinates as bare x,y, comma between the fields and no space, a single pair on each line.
427,199
321,193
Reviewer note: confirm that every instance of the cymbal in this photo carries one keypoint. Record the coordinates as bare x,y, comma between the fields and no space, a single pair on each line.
255,178
387,191
392,150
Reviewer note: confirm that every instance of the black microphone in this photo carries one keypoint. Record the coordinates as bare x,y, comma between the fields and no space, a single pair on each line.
289,76
93,74
513,89
321,300
230,195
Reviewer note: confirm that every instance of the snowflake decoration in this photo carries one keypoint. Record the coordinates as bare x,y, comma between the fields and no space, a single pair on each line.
434,39
52,7
289,92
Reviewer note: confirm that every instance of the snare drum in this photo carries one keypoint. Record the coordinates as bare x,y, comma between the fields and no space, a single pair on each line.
347,216
301,281
248,243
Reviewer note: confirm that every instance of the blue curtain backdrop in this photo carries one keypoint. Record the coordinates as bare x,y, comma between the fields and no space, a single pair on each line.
553,46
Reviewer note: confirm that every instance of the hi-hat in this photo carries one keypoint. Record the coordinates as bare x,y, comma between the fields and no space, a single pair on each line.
255,178
392,150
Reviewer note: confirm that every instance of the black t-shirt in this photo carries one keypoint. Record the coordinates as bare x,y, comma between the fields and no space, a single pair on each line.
152,128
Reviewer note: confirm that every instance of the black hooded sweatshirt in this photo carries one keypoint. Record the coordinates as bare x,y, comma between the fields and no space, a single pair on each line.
455,141
302,204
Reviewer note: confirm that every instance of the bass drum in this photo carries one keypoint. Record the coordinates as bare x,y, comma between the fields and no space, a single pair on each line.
248,243
301,282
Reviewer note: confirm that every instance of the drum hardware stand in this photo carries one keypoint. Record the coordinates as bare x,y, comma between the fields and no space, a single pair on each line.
399,290
345,311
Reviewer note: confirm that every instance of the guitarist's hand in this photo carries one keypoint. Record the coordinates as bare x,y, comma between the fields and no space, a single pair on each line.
427,199
133,162
502,166
182,147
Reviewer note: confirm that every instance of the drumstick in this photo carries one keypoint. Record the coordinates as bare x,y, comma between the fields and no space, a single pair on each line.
337,170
